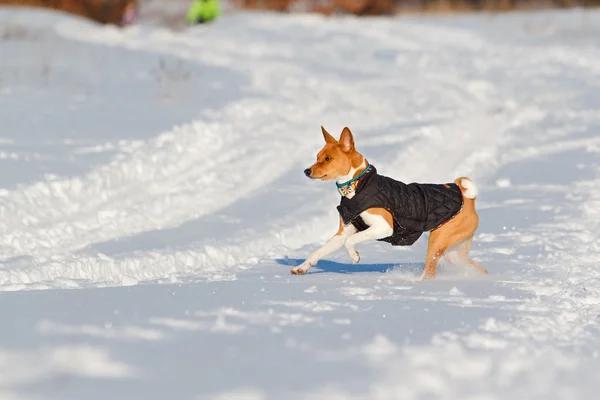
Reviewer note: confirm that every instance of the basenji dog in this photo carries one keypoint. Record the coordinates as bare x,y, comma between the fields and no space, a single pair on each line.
375,207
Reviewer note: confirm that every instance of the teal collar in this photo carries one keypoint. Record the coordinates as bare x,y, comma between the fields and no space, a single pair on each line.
346,185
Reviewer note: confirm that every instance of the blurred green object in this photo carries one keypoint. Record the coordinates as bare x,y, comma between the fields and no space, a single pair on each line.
203,11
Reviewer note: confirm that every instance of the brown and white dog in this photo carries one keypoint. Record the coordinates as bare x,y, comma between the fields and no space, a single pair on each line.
339,161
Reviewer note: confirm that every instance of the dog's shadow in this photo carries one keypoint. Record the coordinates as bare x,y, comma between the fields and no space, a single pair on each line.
346,268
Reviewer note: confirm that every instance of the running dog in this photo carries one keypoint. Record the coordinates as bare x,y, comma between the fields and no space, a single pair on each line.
375,207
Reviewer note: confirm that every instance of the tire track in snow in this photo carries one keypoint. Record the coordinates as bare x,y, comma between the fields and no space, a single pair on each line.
167,181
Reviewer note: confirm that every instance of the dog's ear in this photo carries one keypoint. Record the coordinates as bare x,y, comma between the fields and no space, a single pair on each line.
347,140
327,136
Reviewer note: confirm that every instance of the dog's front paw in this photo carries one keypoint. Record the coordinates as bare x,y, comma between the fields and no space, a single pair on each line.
354,256
299,270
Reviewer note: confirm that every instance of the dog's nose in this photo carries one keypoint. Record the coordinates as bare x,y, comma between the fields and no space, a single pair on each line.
307,172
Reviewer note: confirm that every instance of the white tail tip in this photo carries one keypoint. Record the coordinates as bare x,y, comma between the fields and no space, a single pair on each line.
470,188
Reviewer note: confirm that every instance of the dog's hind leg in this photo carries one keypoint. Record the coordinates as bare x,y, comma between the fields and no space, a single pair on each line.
462,253
431,263
435,249
456,235
459,253
455,238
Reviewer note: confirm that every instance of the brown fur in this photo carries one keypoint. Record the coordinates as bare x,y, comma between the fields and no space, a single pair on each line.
382,212
389,218
455,233
335,160
103,11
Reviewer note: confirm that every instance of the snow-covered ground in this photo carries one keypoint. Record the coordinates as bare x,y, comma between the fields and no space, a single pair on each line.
152,202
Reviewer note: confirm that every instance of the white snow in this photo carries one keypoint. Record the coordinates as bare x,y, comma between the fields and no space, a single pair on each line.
152,202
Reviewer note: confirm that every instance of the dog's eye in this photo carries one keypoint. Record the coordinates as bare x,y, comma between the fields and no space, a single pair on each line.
327,159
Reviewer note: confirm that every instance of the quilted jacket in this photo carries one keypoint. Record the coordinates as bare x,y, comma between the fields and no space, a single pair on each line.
416,207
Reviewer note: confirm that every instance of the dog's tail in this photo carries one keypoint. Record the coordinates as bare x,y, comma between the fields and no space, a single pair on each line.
467,187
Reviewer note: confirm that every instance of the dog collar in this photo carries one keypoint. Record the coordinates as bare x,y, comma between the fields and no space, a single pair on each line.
350,186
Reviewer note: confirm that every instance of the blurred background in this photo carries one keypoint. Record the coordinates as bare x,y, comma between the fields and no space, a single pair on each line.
153,201
173,13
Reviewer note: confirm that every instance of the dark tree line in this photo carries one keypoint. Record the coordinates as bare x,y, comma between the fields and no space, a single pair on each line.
387,7
103,11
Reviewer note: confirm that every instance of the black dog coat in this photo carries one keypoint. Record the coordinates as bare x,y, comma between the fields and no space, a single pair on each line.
416,207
